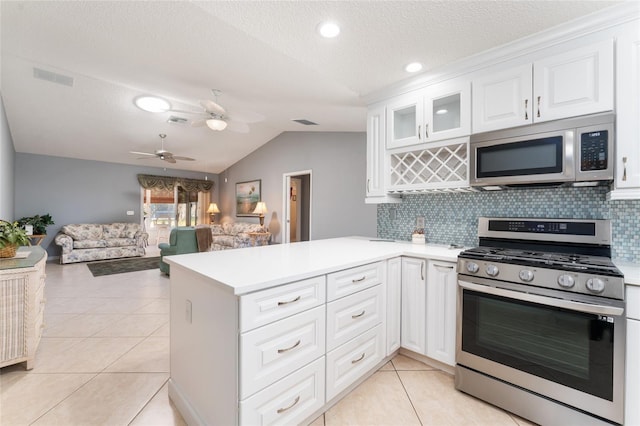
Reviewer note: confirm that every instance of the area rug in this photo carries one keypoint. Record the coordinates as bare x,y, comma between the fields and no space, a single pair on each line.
111,267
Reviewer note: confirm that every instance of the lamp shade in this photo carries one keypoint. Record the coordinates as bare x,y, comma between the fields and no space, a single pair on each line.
213,208
261,208
216,124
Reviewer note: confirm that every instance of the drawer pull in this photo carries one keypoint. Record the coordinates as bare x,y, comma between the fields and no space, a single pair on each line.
289,348
358,315
359,279
358,360
282,410
289,301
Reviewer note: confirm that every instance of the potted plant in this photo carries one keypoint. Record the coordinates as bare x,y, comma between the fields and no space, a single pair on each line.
38,222
11,236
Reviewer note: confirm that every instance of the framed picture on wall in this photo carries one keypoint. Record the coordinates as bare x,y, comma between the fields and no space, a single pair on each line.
248,194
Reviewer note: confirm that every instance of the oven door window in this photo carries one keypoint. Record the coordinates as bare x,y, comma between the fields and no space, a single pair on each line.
572,348
532,157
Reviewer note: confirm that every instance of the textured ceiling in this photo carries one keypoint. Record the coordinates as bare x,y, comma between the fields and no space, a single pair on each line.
265,57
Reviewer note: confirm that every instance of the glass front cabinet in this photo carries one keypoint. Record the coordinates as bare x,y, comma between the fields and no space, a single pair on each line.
438,112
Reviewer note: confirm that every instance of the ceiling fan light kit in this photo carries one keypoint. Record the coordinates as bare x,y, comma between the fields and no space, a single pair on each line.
216,124
152,104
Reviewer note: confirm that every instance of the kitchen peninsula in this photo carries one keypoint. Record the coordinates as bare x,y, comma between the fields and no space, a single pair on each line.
281,333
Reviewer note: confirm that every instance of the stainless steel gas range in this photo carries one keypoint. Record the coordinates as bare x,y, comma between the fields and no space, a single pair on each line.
540,326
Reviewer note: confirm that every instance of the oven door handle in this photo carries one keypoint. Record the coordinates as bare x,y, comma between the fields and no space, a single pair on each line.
549,301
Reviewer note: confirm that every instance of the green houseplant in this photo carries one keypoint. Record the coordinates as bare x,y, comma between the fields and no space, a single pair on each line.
12,235
38,222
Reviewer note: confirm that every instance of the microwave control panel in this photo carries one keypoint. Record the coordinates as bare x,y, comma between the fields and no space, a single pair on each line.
593,151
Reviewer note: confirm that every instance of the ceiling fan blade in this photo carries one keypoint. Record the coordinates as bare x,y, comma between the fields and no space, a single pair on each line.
178,157
198,123
142,153
169,160
238,127
144,158
212,107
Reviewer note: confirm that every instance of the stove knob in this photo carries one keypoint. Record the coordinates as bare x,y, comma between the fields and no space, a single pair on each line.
566,281
472,267
526,275
595,285
492,270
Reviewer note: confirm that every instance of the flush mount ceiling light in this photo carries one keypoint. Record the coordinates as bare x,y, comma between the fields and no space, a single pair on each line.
328,29
152,104
216,124
413,67
442,111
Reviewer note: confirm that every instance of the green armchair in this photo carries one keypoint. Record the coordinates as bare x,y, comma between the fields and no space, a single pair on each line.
182,240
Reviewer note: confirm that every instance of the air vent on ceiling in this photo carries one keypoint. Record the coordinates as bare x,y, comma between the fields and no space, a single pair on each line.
53,77
305,122
176,120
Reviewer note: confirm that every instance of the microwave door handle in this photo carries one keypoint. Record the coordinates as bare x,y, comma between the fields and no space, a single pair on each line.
542,300
526,109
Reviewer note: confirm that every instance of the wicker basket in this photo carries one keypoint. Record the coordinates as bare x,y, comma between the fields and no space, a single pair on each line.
8,251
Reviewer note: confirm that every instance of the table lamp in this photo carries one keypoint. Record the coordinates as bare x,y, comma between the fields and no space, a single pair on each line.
261,209
212,210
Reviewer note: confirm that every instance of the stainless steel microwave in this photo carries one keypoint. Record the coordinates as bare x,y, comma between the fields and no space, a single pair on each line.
574,151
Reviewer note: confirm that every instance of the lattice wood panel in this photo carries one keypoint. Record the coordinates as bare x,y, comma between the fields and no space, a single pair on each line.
442,167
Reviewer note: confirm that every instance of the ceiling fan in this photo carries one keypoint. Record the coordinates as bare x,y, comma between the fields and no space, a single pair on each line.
217,118
162,154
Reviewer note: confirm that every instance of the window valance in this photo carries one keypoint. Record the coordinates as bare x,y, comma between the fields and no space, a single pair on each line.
169,182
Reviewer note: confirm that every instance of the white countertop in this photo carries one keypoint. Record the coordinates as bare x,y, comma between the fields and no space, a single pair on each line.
630,270
251,269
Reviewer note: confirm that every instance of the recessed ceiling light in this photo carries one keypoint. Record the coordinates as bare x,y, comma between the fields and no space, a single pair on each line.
152,104
413,67
328,29
442,111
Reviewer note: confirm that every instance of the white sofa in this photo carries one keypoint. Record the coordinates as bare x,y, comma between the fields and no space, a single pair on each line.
85,242
238,235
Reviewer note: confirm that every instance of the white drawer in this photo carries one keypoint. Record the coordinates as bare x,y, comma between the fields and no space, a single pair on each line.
352,315
633,302
288,401
264,307
269,353
343,283
350,361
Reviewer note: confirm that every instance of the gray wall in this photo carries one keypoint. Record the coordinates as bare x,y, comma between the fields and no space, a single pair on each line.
338,164
82,191
7,158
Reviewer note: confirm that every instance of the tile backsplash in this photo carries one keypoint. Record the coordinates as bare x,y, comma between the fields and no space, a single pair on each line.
453,217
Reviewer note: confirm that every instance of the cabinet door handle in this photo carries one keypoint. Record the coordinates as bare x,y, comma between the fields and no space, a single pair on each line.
368,185
624,168
282,410
354,361
359,279
426,131
442,266
289,301
422,271
526,109
419,129
358,315
289,348
539,105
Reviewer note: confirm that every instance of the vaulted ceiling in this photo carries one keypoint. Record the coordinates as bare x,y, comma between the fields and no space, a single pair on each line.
265,57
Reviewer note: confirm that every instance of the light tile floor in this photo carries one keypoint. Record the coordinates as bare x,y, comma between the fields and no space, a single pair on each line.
104,360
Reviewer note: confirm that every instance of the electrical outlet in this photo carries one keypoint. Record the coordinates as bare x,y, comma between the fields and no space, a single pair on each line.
130,212
392,213
420,222
188,312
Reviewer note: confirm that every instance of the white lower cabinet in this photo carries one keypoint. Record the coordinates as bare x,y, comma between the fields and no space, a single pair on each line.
349,362
441,311
275,350
394,304
414,320
288,401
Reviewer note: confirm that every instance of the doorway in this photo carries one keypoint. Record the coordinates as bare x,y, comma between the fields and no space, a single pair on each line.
297,206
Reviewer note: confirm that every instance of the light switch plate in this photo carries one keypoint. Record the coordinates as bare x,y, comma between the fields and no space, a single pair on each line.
130,212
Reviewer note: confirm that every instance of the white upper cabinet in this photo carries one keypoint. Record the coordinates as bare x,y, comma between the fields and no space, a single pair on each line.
627,167
574,83
569,84
441,111
375,152
502,99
